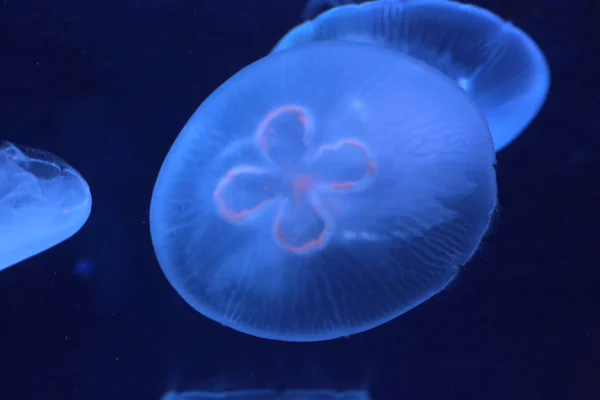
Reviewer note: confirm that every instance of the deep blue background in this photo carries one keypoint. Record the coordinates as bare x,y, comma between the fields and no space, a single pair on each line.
107,85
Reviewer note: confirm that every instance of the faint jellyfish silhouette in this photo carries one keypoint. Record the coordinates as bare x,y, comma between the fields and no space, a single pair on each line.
499,65
267,394
43,201
84,268
323,191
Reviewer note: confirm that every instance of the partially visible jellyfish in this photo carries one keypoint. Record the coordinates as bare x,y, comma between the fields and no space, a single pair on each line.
499,65
267,394
323,191
43,201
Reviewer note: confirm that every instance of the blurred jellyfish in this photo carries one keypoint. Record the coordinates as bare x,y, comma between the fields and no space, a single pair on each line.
43,201
300,394
500,66
84,268
323,191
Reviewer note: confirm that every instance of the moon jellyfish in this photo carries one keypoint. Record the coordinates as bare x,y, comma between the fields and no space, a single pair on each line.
267,394
43,201
323,191
499,65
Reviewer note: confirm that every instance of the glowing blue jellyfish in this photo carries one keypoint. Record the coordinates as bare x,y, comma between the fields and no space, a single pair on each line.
500,66
323,191
43,201
266,394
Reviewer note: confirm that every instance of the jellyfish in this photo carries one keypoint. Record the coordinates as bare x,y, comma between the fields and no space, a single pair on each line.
496,63
268,394
323,191
43,201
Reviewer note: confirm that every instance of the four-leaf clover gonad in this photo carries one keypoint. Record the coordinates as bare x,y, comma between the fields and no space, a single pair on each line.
293,175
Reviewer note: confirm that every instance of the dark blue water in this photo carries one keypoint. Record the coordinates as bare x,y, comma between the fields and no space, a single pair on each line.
107,85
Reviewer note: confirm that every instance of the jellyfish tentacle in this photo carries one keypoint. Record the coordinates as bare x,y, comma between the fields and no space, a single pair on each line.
245,190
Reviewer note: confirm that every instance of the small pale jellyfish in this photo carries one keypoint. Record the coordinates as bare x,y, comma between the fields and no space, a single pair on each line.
496,63
323,191
43,201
